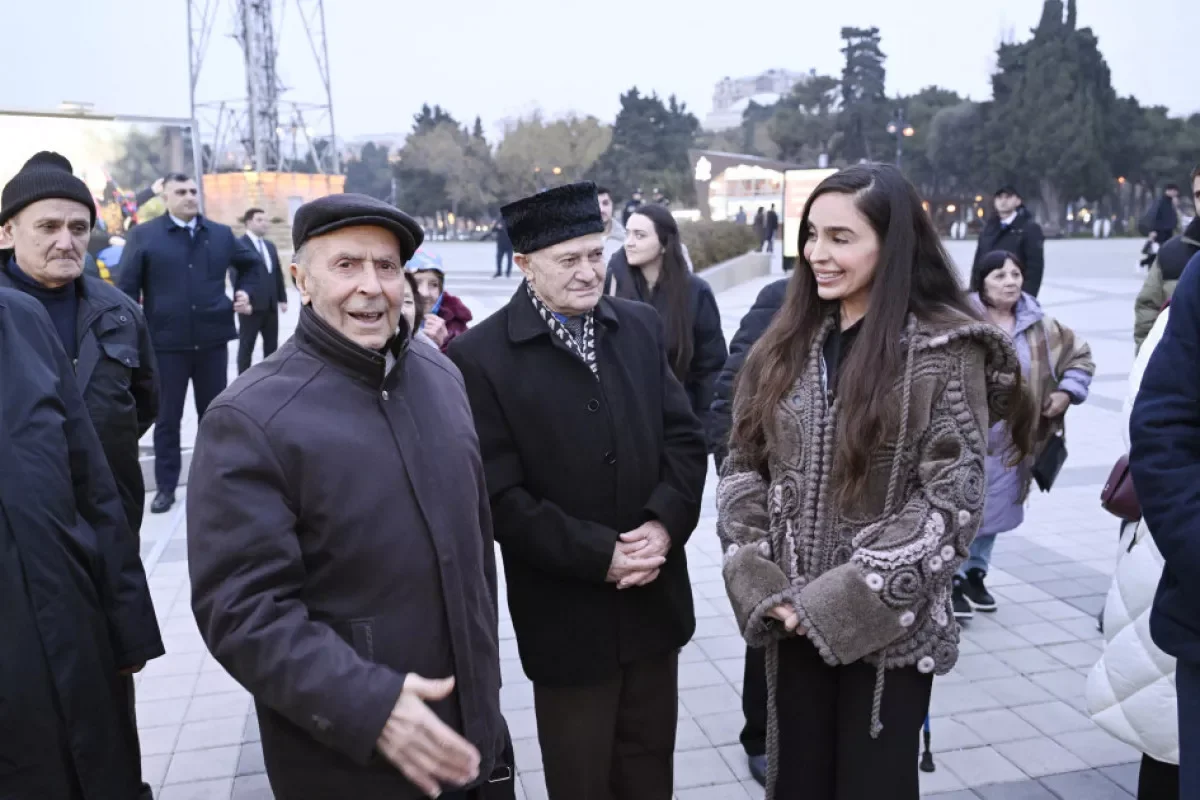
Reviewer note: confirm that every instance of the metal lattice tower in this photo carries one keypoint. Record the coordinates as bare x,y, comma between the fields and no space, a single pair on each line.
252,131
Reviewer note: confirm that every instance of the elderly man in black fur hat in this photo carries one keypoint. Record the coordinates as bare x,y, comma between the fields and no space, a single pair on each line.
595,467
339,536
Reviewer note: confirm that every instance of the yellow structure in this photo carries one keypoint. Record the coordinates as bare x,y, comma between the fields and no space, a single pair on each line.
227,195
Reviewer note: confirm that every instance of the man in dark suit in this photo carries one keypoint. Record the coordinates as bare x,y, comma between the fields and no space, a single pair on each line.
269,296
176,266
1013,229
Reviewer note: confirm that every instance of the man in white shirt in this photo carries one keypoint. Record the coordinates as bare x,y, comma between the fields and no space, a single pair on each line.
269,296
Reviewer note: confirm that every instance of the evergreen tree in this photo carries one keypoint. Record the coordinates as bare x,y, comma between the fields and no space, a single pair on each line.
650,141
865,109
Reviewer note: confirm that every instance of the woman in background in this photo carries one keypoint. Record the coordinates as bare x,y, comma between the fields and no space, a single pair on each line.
444,315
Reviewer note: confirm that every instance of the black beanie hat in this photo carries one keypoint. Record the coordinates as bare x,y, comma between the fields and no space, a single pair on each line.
553,216
46,175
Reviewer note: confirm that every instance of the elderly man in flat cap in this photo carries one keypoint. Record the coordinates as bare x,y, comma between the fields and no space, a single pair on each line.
339,535
595,467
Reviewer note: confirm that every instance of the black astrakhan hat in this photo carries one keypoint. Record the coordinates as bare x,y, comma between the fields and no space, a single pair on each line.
553,216
46,175
328,214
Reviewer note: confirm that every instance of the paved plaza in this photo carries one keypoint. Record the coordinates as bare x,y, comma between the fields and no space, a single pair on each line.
1007,723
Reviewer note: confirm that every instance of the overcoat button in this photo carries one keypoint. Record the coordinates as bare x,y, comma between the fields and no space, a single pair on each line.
593,405
610,457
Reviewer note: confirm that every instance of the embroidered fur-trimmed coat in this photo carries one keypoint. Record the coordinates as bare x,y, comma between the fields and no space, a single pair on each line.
870,582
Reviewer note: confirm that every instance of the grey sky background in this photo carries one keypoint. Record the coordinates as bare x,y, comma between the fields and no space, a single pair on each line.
505,59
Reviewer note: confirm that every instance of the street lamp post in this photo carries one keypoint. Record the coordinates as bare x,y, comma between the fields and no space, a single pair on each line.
900,129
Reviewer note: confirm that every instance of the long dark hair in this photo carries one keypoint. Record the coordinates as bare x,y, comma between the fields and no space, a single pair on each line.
987,265
914,275
673,280
418,312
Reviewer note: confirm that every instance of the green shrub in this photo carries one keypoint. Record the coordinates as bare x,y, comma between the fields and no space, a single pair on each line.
710,243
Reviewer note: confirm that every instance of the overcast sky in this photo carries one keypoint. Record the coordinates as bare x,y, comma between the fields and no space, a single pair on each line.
504,59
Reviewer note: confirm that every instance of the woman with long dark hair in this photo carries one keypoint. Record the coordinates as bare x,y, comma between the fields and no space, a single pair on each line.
652,268
855,484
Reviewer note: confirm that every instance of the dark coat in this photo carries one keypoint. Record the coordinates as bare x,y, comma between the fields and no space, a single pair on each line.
751,329
708,340
1023,238
117,376
339,537
76,607
270,288
571,464
1164,458
180,281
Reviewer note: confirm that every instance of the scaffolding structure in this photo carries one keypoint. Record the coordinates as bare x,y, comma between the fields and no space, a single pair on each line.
258,128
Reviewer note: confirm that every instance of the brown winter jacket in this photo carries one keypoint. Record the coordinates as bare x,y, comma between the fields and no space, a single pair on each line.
870,582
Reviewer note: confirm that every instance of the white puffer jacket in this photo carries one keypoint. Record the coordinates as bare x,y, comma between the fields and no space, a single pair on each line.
1131,690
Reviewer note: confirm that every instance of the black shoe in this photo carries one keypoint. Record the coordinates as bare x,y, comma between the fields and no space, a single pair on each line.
758,769
962,608
981,599
162,502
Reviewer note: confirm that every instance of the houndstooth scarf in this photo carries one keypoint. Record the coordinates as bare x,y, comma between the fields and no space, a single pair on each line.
577,333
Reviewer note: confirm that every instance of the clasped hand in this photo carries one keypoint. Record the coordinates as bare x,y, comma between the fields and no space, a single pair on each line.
639,555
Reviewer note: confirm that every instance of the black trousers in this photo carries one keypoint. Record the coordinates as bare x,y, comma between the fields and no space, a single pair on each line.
249,327
1187,685
754,702
207,371
500,256
825,747
614,740
1157,780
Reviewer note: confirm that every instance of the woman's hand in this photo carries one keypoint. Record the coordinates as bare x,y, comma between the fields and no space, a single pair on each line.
788,616
1056,404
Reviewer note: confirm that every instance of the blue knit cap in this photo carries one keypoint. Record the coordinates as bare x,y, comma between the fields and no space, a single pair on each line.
422,261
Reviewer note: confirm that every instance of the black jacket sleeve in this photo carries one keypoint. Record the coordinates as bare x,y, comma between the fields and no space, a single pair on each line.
1033,246
753,326
120,579
245,265
708,354
145,377
133,264
280,280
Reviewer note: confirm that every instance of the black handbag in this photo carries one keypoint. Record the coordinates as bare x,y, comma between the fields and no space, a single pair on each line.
502,784
1050,462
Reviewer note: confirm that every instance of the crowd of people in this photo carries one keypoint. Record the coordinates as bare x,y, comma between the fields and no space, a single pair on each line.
875,426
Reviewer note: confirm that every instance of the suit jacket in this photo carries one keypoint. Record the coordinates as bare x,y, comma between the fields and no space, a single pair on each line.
270,289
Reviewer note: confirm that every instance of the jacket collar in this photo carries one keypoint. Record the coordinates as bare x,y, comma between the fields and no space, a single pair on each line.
90,302
524,324
320,339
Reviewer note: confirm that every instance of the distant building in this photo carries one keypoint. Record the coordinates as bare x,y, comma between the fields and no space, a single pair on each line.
732,96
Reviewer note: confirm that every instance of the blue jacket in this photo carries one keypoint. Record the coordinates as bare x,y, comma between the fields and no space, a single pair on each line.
1164,458
180,281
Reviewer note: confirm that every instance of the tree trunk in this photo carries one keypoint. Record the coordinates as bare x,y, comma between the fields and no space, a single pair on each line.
1052,209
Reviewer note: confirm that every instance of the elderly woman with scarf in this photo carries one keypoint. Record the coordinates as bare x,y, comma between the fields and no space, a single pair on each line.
1058,369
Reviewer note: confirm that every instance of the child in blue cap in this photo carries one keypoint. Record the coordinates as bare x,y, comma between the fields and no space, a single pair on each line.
446,316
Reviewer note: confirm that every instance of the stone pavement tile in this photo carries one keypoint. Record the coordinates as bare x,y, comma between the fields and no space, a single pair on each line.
691,652
172,664
1022,790
1085,628
1040,756
158,740
735,759
1054,718
203,765
962,794
1066,684
1012,614
707,608
162,712
154,768
250,759
184,643
252,787
1076,654
982,666
999,577
689,736
1044,633
252,733
940,781
947,733
993,639
1074,569
1098,749
198,790
998,725
752,788
1124,775
710,590
508,648
216,683
722,729
710,627
528,754
979,766
515,698
732,668
710,700
1055,610
1091,604
722,647
1032,573
959,699
701,768
511,672
166,687
218,706
1021,593
1015,691
1029,660
1064,587
725,791
1098,583
534,784
1089,785
211,733
521,724
700,674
